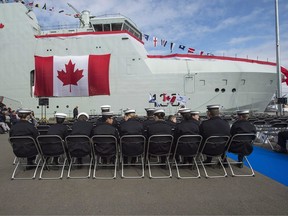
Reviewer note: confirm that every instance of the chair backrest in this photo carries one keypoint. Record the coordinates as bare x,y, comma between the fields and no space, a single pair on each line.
215,145
43,129
242,143
51,145
24,146
132,145
159,144
188,145
78,145
104,145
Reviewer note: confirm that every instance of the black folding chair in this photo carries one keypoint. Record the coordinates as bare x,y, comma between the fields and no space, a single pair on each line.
159,146
43,129
186,150
105,148
215,147
24,147
241,144
52,146
79,147
132,146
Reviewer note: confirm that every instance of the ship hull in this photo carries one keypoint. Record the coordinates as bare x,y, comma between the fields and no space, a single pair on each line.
134,77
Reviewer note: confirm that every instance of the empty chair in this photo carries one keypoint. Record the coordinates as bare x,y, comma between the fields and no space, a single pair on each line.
105,149
159,146
52,146
132,146
79,147
214,147
241,144
186,150
24,147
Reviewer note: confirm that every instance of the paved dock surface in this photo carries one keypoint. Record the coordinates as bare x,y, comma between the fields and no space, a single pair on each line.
223,196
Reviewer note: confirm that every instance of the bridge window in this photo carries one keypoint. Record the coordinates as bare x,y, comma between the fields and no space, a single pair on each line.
107,27
98,27
116,26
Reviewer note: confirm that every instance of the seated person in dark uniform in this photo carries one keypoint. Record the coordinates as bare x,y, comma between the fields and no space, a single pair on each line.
104,108
106,128
130,126
82,127
149,118
58,129
172,119
159,127
188,126
242,126
24,128
214,126
282,138
195,117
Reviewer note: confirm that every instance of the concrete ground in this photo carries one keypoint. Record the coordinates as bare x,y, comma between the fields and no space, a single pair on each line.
223,196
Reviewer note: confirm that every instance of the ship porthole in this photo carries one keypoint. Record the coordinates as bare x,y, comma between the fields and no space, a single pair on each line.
67,106
217,90
233,90
222,90
57,106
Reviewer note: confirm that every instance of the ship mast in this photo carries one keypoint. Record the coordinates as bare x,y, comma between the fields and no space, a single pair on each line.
279,80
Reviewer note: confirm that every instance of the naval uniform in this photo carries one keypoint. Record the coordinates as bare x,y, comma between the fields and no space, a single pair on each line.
82,128
242,126
159,127
215,126
24,128
131,127
105,129
58,129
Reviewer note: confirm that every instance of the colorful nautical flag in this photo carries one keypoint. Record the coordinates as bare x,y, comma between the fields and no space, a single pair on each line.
163,42
58,76
146,37
202,52
191,50
171,46
155,41
181,47
1,25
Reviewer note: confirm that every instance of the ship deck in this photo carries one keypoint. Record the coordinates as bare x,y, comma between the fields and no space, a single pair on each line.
259,195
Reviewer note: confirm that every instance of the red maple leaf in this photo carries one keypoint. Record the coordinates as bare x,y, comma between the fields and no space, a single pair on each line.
70,77
1,25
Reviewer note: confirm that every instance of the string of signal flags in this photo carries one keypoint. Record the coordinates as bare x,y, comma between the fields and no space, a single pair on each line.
163,43
154,39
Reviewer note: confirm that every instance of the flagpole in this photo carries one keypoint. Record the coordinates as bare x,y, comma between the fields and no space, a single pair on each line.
279,80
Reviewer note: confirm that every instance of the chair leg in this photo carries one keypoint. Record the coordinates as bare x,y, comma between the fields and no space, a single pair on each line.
185,165
167,163
252,173
214,163
136,164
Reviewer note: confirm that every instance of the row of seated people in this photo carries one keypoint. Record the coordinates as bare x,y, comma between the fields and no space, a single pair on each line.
154,125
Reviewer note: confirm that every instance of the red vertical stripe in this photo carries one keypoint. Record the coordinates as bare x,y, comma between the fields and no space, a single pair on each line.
98,74
43,76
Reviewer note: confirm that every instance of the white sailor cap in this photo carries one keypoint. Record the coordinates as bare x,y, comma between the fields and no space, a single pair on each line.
60,115
195,112
184,110
108,114
159,111
128,111
105,108
83,113
149,109
24,111
209,107
242,112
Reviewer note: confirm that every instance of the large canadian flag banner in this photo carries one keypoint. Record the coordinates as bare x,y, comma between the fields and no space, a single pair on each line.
74,76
